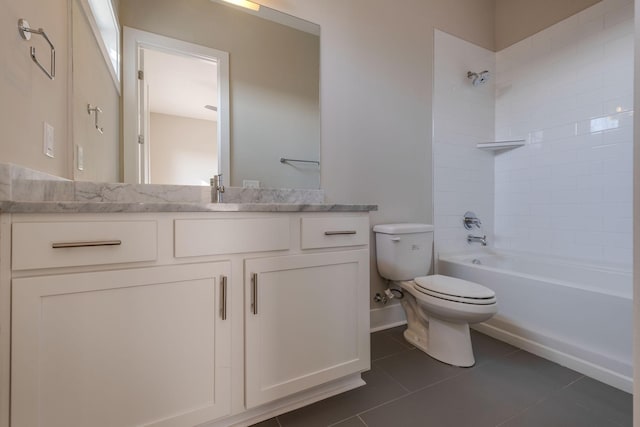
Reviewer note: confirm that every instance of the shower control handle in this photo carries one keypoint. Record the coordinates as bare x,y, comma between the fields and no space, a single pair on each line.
470,219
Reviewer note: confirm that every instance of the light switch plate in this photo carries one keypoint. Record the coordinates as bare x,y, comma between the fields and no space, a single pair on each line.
250,183
79,157
49,141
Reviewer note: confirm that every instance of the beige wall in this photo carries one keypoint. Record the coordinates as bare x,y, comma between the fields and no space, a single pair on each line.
519,19
376,97
93,84
183,150
27,97
273,84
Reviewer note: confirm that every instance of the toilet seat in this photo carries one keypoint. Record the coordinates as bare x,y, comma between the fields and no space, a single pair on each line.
454,290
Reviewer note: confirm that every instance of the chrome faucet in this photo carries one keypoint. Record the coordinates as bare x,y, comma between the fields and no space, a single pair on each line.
216,188
482,240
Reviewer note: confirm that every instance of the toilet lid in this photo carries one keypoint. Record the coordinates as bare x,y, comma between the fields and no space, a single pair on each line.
456,289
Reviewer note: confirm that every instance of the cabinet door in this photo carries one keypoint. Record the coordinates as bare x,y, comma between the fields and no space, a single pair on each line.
139,347
307,321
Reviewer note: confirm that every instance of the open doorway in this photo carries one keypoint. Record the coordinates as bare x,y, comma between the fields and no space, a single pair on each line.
176,110
182,118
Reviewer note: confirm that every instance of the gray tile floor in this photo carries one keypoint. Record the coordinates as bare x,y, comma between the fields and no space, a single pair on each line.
507,387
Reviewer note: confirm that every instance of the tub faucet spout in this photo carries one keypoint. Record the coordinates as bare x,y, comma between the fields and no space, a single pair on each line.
482,240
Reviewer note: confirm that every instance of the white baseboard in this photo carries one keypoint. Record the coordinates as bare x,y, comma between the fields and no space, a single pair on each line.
387,317
270,410
599,373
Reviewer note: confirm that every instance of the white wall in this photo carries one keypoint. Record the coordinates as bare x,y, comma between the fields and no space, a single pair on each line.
376,98
463,115
183,151
568,91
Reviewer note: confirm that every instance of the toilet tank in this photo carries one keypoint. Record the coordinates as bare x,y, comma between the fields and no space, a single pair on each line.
403,251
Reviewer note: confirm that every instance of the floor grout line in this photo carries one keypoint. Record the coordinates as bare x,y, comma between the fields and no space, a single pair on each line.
389,355
361,420
542,399
381,369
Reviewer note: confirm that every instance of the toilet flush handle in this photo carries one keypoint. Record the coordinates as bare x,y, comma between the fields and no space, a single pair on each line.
395,239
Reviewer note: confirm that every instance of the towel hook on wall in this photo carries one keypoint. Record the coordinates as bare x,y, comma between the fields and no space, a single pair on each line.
25,32
97,110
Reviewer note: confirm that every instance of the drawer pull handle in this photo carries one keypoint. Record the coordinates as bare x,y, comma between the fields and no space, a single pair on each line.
254,293
86,244
223,297
337,233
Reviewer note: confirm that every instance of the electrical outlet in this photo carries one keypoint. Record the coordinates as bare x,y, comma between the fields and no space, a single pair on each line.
250,183
79,157
48,140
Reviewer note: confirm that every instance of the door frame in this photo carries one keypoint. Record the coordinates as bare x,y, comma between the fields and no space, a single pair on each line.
133,41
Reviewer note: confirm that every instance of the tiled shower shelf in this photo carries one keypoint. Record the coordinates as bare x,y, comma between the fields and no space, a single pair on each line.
500,145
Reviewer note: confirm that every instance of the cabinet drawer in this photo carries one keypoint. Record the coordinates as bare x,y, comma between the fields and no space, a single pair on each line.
66,244
202,237
330,232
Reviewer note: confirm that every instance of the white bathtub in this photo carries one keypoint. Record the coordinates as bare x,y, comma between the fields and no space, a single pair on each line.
578,315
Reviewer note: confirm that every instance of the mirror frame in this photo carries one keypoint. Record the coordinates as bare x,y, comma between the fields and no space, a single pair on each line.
133,151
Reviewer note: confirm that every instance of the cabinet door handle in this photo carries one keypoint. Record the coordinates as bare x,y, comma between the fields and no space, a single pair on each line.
86,244
339,232
223,297
254,293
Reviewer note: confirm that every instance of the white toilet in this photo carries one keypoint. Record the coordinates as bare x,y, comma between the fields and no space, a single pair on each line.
438,308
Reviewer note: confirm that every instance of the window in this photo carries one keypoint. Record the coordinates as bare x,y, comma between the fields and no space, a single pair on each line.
106,29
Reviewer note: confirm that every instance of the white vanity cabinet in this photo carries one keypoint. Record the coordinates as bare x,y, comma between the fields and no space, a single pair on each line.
121,348
180,319
304,321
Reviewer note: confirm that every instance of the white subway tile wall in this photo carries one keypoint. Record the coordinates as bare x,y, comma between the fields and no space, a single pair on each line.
463,116
568,91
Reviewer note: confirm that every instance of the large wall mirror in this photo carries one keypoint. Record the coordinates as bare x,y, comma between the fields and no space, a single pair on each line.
206,88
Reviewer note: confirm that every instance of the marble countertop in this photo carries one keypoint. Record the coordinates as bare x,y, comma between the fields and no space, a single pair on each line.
24,190
112,207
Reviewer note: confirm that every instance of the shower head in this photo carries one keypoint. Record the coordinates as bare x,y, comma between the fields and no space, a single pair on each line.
478,79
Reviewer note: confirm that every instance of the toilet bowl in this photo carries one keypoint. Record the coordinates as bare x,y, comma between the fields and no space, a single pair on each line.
438,322
439,308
